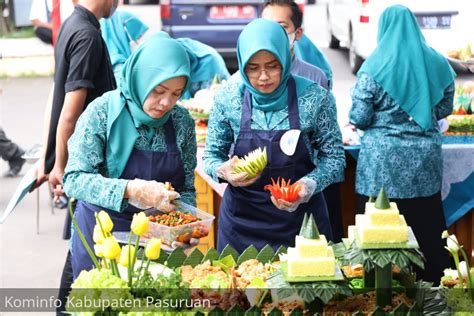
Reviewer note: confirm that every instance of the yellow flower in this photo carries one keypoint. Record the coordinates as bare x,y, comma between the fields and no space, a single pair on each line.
126,250
98,236
153,248
139,224
98,250
110,248
105,221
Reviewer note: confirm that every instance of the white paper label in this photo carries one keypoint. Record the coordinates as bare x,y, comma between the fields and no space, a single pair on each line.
289,140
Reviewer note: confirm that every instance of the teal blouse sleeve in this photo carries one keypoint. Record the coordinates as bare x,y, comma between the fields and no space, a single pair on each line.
362,112
186,140
221,129
85,175
319,122
445,106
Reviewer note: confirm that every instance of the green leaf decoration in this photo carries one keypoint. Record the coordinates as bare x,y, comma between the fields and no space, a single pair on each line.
216,312
254,311
275,312
434,302
225,263
162,258
266,254
378,311
400,310
415,256
280,250
141,253
228,250
339,249
403,258
303,225
311,229
176,258
382,202
325,291
216,80
380,258
211,255
235,310
297,312
250,253
371,199
194,258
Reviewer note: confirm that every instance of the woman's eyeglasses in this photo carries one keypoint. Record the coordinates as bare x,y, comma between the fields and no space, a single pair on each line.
256,72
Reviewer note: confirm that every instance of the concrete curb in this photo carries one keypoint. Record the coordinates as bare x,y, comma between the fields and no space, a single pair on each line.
25,57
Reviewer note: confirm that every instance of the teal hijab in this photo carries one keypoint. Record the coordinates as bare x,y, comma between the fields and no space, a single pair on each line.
118,31
205,61
156,60
411,72
305,50
262,34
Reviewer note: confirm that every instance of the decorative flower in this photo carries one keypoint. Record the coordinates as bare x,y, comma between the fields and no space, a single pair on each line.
127,250
98,236
463,268
284,191
98,249
445,234
105,221
452,243
139,224
153,248
110,248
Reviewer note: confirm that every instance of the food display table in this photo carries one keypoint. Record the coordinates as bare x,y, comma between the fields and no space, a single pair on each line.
457,192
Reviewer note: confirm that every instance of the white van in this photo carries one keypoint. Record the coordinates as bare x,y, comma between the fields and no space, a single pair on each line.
446,24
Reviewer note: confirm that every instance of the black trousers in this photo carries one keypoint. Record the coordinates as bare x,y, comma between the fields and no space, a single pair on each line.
426,218
8,149
332,195
44,34
65,286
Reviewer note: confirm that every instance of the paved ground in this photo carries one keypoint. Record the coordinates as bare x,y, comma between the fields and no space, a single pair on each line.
28,259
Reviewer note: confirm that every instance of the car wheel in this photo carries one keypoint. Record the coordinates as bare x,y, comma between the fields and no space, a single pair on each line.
333,42
355,61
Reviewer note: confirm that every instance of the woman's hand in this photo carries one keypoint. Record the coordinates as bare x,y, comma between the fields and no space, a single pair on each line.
235,179
147,194
306,192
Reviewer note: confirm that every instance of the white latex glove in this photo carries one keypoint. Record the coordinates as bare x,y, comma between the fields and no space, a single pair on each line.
147,194
306,192
235,179
192,242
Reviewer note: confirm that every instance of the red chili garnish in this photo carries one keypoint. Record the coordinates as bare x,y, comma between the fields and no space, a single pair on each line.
286,191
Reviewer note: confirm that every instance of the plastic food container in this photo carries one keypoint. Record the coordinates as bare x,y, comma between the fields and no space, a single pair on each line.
181,233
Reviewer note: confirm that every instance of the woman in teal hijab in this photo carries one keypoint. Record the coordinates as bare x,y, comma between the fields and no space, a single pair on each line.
402,89
206,63
290,117
132,140
121,32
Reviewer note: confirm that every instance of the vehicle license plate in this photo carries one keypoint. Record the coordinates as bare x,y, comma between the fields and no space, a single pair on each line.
434,21
230,12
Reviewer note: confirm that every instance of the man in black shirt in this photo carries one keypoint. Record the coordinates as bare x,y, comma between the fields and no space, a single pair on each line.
83,72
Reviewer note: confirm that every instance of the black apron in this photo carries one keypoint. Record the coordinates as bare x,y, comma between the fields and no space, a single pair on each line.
247,216
142,164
